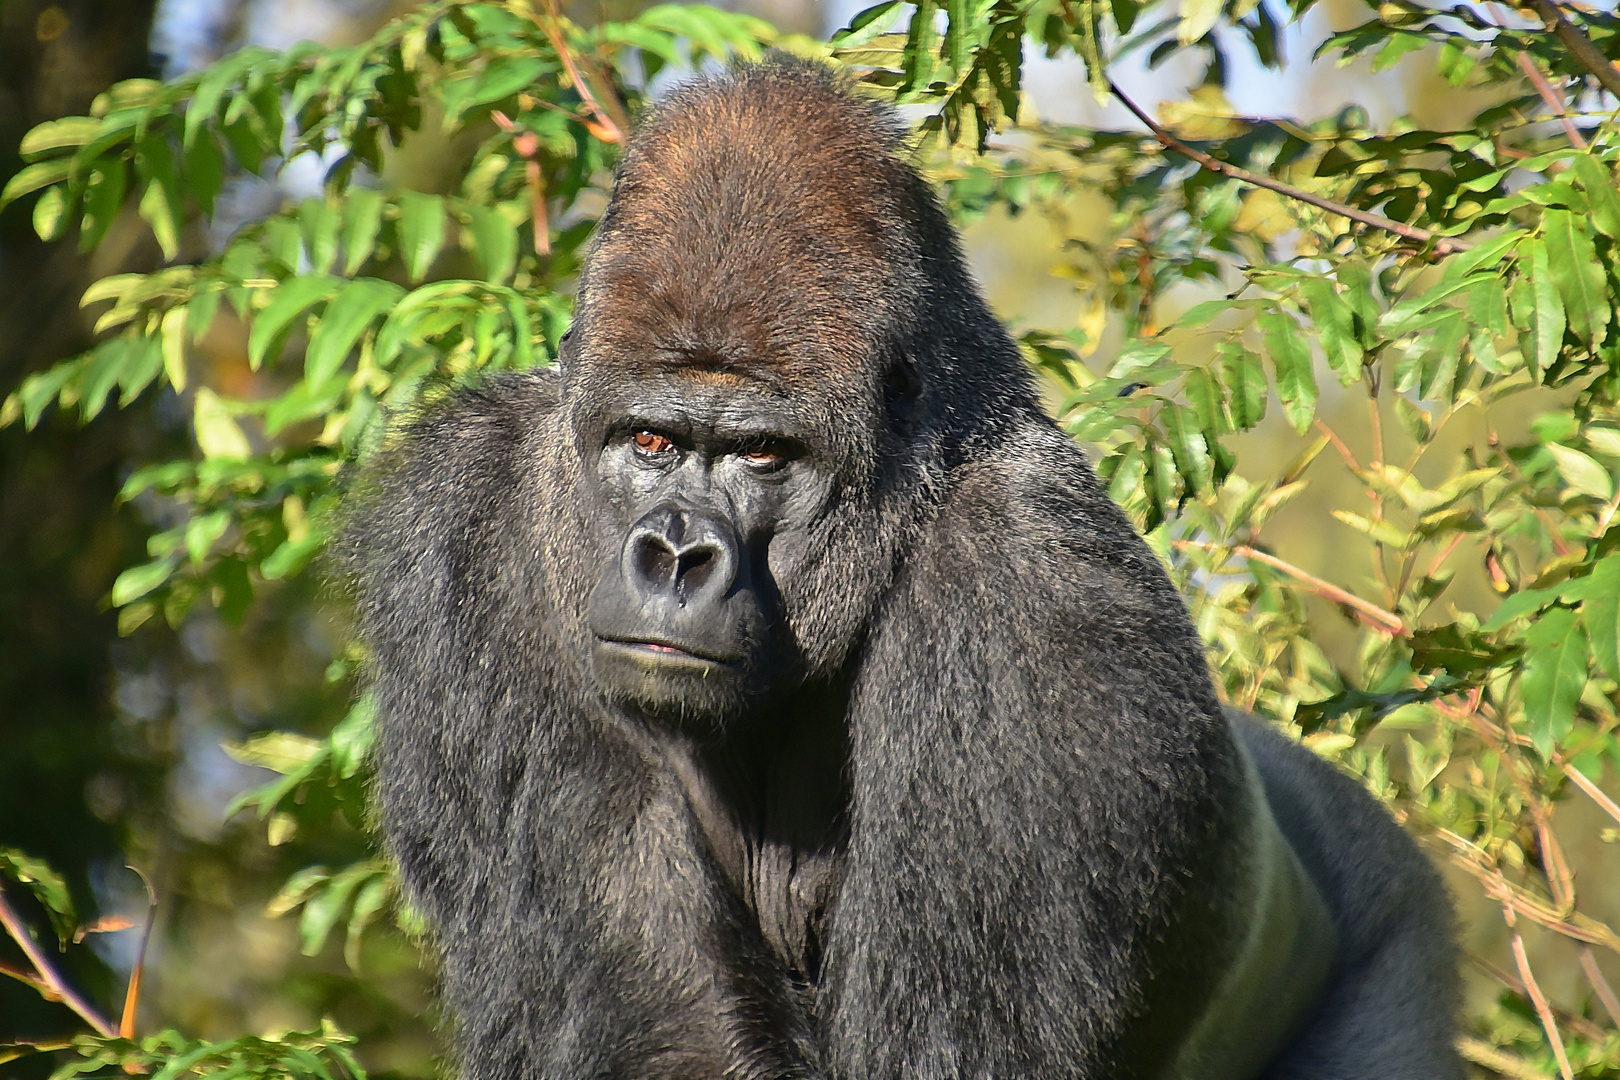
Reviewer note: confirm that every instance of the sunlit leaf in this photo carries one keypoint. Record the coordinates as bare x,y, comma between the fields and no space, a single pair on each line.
1554,671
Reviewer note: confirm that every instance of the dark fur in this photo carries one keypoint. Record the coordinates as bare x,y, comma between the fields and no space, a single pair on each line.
983,834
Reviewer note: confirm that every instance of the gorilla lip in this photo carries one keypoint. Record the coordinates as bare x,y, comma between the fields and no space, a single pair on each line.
660,650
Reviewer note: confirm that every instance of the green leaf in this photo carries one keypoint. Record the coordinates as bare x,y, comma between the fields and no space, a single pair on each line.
1582,473
137,581
1555,658
203,167
218,434
421,232
34,177
1335,327
494,241
1573,263
353,737
1547,311
103,200
1601,614
291,299
47,887
318,222
173,330
50,214
1598,183
1291,359
362,217
59,134
202,532
345,319
325,906
160,202
1380,531
1245,385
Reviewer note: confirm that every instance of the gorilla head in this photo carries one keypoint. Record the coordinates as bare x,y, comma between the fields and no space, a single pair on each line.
741,388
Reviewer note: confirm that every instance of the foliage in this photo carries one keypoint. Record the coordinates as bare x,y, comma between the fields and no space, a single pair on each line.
1256,278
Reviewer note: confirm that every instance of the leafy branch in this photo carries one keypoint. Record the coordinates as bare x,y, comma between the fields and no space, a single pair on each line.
1441,245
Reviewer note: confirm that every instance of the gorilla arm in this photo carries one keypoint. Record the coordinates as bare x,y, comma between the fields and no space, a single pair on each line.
550,845
1060,862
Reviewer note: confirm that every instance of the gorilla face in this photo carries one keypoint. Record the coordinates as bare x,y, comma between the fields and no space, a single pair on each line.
709,485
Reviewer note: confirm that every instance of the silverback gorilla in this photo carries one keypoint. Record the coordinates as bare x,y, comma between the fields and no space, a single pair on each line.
771,690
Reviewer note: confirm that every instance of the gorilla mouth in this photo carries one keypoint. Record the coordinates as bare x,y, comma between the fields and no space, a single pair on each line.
662,651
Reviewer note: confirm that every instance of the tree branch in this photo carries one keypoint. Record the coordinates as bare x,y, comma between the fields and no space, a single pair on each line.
1544,1011
1579,45
1443,245
132,992
48,973
1386,621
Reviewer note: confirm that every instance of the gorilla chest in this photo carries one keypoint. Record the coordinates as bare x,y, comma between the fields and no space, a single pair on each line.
774,813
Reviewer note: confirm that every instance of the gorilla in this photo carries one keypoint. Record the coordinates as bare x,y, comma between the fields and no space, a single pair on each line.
771,690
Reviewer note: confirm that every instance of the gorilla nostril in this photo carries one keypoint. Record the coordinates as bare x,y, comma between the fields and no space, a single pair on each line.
655,562
695,569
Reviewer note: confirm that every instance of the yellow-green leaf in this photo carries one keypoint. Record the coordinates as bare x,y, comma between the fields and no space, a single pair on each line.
1582,473
218,434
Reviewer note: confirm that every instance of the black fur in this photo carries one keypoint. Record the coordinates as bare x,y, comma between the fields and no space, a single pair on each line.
958,800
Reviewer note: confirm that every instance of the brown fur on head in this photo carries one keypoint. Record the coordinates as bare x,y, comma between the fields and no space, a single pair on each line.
759,228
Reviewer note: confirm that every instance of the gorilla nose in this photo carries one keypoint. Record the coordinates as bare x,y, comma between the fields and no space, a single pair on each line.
681,554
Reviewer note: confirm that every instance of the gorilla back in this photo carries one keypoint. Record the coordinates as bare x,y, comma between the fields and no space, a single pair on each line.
771,690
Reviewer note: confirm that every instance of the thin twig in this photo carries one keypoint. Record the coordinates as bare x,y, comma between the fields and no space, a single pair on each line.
1560,879
527,144
1554,101
1593,792
132,993
1579,45
47,971
603,125
23,977
1442,245
1338,444
1578,927
1578,1024
1484,1054
1387,621
1549,1023
1600,985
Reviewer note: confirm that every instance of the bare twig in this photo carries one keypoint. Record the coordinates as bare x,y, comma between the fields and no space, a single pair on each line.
1385,621
47,972
1560,879
132,993
1576,926
1579,45
1442,245
1600,985
1543,1010
24,977
1484,1054
606,125
1593,792
1338,444
1552,98
1578,1024
527,144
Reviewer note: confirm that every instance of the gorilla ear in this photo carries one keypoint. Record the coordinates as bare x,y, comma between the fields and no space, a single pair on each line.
902,386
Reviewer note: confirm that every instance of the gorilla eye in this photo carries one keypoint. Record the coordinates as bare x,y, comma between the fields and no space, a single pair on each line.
651,443
764,455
